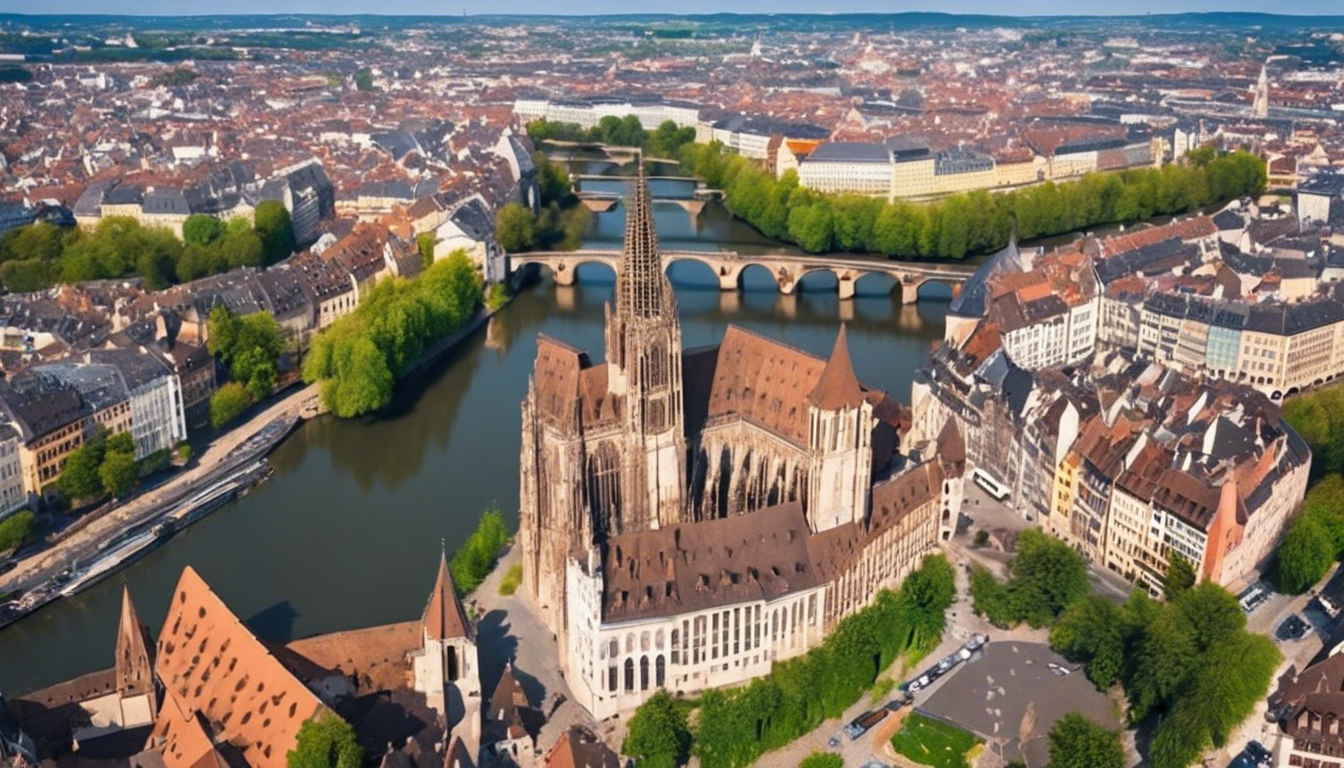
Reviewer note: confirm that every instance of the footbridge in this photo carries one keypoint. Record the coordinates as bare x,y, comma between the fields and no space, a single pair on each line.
787,269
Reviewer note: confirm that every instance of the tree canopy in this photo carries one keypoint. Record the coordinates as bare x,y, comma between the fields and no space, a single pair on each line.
40,255
1047,576
477,556
325,742
249,346
275,230
358,358
15,528
972,222
658,736
104,463
228,403
1189,663
1076,742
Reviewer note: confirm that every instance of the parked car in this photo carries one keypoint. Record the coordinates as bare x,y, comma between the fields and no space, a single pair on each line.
918,683
1258,751
976,642
1330,607
898,702
860,725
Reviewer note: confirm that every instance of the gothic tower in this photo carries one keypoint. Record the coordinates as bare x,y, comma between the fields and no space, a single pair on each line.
135,666
447,666
644,358
840,444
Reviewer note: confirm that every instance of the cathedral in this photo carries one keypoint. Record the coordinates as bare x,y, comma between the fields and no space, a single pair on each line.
690,516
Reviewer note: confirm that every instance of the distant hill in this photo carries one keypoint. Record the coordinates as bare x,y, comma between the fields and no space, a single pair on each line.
717,22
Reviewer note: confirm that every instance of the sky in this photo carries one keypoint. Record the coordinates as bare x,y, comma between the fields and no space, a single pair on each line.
456,7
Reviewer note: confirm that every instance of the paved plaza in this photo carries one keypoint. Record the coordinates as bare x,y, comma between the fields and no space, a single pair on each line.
1009,696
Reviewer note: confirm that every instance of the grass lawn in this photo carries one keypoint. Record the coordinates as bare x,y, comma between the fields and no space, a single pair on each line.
929,742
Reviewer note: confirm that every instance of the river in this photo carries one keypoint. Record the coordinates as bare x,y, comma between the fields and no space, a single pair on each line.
346,532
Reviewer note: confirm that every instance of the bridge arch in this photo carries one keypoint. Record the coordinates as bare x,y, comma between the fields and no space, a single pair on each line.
817,280
876,284
691,272
567,270
755,277
937,289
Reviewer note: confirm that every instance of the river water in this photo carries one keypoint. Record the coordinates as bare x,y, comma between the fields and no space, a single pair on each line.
346,533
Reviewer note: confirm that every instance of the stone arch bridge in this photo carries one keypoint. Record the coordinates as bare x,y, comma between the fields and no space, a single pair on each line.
787,269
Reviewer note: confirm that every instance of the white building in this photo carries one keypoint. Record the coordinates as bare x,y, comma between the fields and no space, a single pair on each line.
12,496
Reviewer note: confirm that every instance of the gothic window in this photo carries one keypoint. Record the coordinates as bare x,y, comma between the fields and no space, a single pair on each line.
604,486
643,673
658,640
655,415
660,672
629,674
614,647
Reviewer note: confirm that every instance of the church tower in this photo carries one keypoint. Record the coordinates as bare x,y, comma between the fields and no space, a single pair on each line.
840,444
644,360
447,667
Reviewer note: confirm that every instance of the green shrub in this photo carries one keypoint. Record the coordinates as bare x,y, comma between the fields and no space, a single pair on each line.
474,560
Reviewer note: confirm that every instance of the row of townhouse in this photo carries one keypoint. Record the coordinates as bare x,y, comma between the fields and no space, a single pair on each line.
232,191
905,167
1129,462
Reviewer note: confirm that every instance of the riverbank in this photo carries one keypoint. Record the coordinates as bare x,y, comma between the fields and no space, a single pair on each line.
220,454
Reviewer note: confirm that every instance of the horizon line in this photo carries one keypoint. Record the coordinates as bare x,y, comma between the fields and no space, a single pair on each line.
666,14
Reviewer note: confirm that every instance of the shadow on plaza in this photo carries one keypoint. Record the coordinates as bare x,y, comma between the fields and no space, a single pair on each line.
499,646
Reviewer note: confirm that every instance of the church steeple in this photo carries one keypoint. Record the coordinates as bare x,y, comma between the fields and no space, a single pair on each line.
644,367
641,287
135,662
444,618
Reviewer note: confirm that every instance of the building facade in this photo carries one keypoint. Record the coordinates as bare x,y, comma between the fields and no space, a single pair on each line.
690,517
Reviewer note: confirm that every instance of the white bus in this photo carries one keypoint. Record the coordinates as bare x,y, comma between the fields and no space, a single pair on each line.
991,486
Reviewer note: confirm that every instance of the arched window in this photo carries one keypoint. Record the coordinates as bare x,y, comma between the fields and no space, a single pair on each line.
452,663
643,673
629,674
604,486
658,640
644,640
660,671
613,648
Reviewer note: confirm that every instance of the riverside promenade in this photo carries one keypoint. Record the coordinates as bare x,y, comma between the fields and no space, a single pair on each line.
218,457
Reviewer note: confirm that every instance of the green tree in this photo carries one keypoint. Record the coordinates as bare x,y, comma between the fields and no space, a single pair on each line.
1093,631
553,181
424,242
325,742
1047,577
202,229
1305,554
474,560
121,442
15,529
1180,576
1076,742
658,736
364,80
515,228
822,760
275,229
119,473
227,403
79,478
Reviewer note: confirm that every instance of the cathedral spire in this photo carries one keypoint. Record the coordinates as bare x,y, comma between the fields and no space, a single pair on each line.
640,284
134,667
